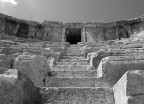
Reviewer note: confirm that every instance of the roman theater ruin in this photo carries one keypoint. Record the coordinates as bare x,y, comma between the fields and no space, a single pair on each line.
71,63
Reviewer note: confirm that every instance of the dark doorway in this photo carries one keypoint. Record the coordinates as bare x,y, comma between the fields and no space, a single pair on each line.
73,35
23,31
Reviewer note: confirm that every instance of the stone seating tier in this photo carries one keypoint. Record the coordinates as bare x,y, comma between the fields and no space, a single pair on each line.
65,75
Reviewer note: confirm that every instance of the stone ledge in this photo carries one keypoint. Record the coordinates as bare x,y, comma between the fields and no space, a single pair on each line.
130,88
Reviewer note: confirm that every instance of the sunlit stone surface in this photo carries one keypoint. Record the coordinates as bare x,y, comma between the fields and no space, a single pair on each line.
71,63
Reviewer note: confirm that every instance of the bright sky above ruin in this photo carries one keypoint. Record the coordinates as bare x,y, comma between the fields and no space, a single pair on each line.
73,10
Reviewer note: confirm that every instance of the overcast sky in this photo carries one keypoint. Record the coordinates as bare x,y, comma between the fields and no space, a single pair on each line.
73,10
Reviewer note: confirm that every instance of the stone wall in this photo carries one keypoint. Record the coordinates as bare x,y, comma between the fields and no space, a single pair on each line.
113,30
55,31
47,31
93,32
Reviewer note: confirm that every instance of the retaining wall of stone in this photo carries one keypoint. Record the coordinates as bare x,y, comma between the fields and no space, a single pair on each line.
55,31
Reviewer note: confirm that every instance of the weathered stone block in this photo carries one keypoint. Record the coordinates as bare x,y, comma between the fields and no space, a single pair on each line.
109,33
10,26
57,34
93,34
98,54
34,66
39,35
17,88
130,88
113,67
31,32
135,25
48,34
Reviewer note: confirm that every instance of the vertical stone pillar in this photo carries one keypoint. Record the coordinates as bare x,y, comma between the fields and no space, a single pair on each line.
63,35
117,32
2,28
31,32
83,35
128,28
16,29
2,25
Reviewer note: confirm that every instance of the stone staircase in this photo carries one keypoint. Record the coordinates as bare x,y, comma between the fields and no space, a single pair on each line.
72,81
72,60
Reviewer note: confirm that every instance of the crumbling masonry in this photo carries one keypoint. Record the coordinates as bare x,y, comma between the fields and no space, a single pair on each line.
71,63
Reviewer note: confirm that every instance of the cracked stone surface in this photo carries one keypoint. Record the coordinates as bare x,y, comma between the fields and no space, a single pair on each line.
82,73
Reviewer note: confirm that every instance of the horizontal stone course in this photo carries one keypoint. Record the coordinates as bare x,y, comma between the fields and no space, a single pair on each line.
78,95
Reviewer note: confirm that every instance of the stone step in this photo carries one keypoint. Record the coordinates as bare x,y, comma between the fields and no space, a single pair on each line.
74,54
75,82
73,51
74,74
72,63
72,57
76,48
78,58
71,60
73,47
71,67
77,95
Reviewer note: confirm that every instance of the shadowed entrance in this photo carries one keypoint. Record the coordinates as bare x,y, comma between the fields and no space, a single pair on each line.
73,35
